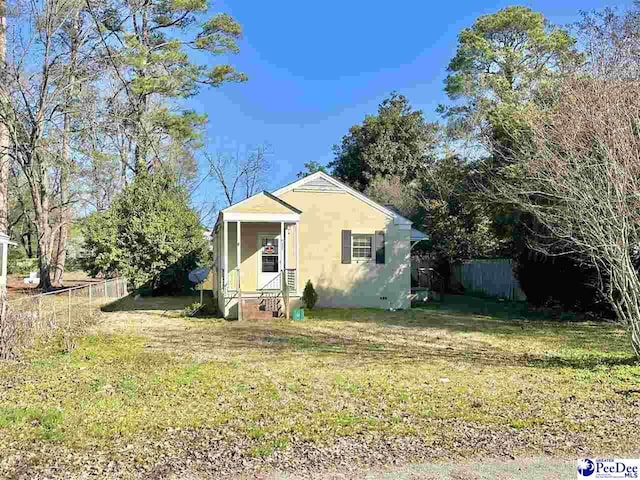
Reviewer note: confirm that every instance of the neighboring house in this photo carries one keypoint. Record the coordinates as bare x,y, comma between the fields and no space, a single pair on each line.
354,250
4,251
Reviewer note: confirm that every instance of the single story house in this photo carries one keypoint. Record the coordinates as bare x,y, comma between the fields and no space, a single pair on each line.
4,251
355,251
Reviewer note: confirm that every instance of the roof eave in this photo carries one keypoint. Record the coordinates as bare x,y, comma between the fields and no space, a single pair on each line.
397,219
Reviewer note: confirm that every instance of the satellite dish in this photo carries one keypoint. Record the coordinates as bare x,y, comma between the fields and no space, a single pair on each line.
199,275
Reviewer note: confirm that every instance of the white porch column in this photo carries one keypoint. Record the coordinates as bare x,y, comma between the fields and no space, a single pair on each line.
298,257
282,247
238,251
225,255
238,263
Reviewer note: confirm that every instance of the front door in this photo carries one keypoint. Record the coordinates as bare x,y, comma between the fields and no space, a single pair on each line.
268,261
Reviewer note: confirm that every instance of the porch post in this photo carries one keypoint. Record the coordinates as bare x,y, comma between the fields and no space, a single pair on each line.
281,263
238,251
239,261
225,255
297,257
282,248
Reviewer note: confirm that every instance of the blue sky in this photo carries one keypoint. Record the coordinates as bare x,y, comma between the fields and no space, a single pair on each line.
316,68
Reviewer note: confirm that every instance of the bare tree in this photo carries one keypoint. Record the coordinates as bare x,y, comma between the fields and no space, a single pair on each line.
241,175
4,133
39,120
580,178
579,173
75,34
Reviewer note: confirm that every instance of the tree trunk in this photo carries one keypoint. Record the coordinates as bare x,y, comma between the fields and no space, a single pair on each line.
44,256
29,242
60,254
141,138
42,211
4,178
4,132
65,208
624,295
7,328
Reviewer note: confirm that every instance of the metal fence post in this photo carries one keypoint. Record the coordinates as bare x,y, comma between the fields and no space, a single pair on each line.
90,305
69,307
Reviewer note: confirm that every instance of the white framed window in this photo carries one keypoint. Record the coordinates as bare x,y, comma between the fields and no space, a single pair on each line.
362,247
270,254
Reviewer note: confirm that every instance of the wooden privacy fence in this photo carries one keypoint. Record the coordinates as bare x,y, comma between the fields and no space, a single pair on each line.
40,316
493,277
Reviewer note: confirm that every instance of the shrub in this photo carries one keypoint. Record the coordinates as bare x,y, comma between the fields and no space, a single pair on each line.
309,295
19,263
563,282
191,310
150,235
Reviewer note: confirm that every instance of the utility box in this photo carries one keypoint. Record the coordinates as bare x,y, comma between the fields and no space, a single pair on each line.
297,314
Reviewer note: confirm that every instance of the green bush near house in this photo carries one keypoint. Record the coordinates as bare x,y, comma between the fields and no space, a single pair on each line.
150,235
309,295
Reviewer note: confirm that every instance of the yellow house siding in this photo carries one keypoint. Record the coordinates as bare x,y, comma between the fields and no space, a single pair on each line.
259,204
291,246
249,266
324,216
249,250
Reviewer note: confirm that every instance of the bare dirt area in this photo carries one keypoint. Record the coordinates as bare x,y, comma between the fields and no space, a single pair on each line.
17,288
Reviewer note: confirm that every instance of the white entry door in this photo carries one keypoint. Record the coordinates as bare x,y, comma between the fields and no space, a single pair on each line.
268,261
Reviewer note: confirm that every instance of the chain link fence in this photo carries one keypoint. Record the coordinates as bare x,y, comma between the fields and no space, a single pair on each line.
40,317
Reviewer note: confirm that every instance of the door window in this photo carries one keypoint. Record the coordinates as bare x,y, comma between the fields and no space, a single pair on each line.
269,255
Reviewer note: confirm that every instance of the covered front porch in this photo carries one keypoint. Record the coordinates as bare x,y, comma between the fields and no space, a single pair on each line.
257,263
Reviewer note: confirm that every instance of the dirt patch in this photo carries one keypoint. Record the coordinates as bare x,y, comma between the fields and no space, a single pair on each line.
17,288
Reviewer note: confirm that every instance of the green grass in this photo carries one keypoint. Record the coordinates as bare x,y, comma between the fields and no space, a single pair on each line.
489,307
430,373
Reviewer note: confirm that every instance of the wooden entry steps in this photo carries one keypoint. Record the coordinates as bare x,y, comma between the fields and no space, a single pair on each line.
265,308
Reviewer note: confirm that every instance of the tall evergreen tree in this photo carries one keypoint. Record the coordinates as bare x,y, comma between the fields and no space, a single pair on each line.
150,235
397,141
503,64
147,45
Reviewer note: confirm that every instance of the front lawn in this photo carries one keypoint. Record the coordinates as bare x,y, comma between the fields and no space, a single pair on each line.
150,391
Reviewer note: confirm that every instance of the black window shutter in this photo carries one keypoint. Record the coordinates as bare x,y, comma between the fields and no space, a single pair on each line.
379,243
346,246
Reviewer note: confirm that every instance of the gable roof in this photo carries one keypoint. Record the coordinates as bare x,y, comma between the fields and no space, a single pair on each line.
270,198
315,182
282,202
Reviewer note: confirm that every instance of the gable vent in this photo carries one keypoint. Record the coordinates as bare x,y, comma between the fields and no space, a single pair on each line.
318,185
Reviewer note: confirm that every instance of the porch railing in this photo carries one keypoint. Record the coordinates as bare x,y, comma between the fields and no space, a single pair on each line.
232,281
290,275
276,295
292,279
274,284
